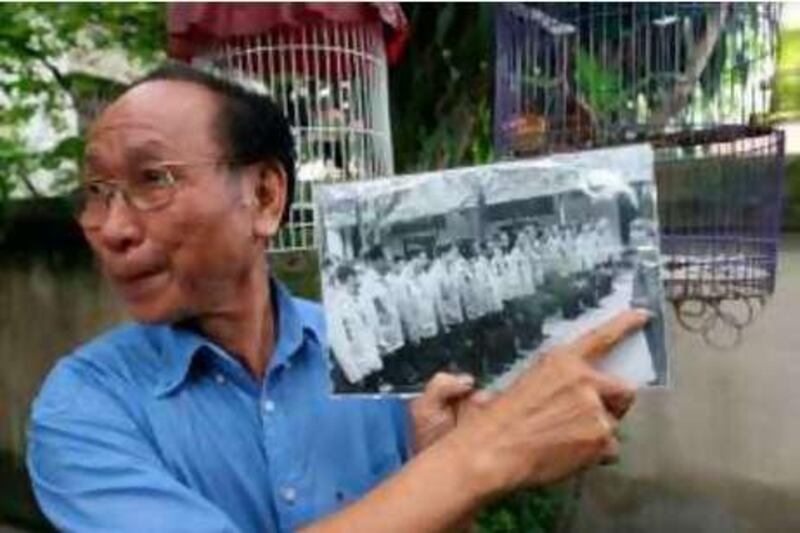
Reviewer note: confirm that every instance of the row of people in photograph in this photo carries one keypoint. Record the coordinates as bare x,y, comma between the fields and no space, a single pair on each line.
473,306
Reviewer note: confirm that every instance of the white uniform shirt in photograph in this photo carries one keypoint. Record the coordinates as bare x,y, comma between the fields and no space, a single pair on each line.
381,311
570,264
585,249
528,243
608,244
398,287
536,255
522,269
552,255
500,276
352,340
492,301
514,286
448,298
421,290
593,246
468,287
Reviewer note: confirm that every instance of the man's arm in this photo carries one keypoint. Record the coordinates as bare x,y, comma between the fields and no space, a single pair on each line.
558,418
92,470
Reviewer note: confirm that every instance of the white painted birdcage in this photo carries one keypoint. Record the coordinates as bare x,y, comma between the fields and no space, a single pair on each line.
330,79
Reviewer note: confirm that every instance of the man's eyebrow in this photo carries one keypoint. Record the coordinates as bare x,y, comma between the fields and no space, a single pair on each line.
146,151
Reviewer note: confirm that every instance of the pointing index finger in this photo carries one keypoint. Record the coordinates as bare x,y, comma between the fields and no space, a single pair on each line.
598,342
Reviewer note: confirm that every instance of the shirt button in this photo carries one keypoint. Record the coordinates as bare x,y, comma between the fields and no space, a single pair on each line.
269,406
220,379
289,495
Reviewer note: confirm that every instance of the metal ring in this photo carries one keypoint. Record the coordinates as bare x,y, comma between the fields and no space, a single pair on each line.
728,315
690,319
713,322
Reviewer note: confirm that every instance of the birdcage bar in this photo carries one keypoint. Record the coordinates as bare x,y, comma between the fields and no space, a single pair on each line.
694,79
720,243
634,69
330,79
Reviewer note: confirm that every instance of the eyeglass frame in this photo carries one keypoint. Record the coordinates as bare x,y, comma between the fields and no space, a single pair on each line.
113,188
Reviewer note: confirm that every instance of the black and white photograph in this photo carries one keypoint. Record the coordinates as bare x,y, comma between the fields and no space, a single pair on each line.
481,269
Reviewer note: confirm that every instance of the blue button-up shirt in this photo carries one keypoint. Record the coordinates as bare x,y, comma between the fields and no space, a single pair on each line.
155,428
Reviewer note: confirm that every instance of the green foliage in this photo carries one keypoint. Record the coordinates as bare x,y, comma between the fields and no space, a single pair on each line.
441,90
786,102
601,85
538,511
617,79
786,106
34,39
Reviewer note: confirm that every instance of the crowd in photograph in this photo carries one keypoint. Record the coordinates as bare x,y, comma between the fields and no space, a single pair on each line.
468,305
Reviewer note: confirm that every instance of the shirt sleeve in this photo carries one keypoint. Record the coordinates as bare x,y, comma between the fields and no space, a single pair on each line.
93,469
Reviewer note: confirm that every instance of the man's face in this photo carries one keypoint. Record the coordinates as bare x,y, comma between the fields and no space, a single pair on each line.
184,259
422,261
445,257
381,266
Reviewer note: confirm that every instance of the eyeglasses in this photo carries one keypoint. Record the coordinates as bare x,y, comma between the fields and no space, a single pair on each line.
149,189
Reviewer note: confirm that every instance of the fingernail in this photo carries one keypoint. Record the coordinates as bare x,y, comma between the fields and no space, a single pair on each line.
466,380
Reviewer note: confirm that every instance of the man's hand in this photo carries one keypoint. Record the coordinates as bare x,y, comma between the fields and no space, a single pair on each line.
557,418
434,413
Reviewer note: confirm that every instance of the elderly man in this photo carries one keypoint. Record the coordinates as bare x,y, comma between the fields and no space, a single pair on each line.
211,412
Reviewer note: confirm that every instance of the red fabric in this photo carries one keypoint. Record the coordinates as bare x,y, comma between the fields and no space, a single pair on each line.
194,27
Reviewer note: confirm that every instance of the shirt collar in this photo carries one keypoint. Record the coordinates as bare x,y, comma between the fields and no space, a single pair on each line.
292,327
181,345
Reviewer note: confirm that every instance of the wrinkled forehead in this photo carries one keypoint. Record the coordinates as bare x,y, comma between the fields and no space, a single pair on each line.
156,120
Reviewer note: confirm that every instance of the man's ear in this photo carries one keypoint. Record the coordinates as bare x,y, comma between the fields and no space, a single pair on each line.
270,198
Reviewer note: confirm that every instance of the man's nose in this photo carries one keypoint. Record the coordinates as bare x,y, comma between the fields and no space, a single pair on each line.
122,227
